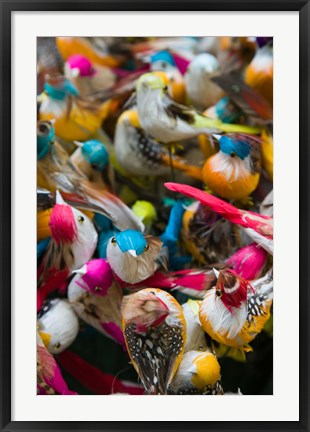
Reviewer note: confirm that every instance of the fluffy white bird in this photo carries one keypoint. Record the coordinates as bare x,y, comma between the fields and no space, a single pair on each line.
200,89
57,325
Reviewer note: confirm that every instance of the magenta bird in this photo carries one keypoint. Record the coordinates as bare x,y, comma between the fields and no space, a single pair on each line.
96,298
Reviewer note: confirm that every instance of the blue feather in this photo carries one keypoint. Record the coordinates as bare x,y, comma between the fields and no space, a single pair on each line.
131,240
163,56
95,154
239,148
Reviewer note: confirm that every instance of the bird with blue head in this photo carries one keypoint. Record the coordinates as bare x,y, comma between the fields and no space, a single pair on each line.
233,172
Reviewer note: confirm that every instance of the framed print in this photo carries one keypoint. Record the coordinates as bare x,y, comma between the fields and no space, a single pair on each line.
146,153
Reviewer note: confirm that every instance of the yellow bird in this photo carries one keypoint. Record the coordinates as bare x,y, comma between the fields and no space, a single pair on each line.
74,118
235,311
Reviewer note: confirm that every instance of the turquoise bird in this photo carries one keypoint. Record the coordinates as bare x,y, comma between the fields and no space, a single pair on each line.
134,257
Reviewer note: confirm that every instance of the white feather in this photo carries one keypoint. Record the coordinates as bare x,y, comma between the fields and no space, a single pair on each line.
231,168
61,323
223,321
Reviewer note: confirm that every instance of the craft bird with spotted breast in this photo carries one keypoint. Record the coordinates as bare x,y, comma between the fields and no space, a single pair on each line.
155,330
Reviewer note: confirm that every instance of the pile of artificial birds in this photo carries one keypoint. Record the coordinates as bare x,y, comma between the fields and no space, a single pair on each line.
154,214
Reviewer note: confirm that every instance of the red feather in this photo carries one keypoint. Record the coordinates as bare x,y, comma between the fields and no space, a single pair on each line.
92,378
62,224
260,223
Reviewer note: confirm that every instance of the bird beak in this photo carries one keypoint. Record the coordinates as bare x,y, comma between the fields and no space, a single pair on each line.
216,272
41,97
216,136
52,121
132,252
78,144
59,199
82,271
46,338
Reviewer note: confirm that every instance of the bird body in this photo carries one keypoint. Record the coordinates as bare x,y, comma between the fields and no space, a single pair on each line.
49,378
57,325
141,155
202,92
134,257
155,332
86,77
73,243
234,312
195,335
96,298
230,173
198,373
170,122
75,119
259,73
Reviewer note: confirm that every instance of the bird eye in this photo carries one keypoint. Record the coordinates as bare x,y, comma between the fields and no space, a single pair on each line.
98,288
94,166
113,241
146,248
166,88
218,293
232,154
57,345
81,219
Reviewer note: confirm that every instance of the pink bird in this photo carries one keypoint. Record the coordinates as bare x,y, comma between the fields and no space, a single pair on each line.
96,298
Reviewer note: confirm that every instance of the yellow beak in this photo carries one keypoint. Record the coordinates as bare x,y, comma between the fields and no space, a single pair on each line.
46,338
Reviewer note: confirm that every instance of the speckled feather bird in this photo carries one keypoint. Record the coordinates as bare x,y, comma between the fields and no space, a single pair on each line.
155,331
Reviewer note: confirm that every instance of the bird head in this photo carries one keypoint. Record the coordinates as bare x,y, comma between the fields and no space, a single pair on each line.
45,138
57,87
205,64
79,66
145,309
96,277
162,60
231,288
152,81
234,147
96,154
205,369
57,325
131,241
69,225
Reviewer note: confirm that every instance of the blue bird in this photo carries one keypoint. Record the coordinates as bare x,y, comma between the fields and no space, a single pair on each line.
134,257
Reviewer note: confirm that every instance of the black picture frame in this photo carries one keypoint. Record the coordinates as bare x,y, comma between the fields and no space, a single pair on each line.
7,7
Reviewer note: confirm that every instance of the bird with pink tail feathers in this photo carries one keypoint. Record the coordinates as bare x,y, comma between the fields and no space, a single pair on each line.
73,243
258,226
96,297
49,378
